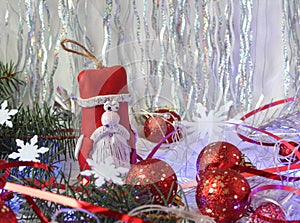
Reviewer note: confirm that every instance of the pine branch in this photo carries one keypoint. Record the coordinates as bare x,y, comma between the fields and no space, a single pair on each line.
9,82
53,130
115,197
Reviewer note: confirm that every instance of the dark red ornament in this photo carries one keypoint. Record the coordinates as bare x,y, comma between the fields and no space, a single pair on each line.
223,195
266,212
218,155
6,214
156,176
162,123
285,151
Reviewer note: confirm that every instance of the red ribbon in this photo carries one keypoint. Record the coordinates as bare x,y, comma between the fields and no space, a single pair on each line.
262,108
265,174
7,165
273,170
36,209
158,145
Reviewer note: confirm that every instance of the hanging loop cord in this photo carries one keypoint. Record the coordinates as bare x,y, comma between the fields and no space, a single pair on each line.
87,53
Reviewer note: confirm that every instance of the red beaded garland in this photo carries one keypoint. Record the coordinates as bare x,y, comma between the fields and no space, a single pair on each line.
157,127
218,155
6,214
157,176
269,210
223,195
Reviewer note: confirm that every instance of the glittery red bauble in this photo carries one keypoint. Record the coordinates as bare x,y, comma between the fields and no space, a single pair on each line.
157,127
223,195
218,155
285,151
6,214
155,175
267,210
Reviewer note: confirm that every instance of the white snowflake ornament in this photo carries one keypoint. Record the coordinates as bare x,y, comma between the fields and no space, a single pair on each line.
28,151
5,114
208,125
105,171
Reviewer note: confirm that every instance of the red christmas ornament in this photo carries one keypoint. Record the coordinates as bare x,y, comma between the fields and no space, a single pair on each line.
266,212
155,129
6,214
155,175
162,123
285,151
218,155
223,195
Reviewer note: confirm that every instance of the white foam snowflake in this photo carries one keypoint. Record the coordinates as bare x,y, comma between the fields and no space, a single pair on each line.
28,151
208,125
5,114
105,172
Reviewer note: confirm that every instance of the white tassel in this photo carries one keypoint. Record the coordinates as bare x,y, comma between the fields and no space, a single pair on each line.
111,143
111,140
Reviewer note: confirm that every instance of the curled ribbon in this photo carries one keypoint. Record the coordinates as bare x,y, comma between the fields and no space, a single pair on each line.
255,111
158,145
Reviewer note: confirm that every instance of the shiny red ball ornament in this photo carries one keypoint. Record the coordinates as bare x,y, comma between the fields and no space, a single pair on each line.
266,212
155,175
6,214
162,123
218,155
223,195
285,151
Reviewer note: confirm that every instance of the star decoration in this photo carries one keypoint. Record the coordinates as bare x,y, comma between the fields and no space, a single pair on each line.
208,124
28,151
5,114
105,172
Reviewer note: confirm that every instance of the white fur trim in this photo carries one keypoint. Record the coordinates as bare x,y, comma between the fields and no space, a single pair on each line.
100,100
